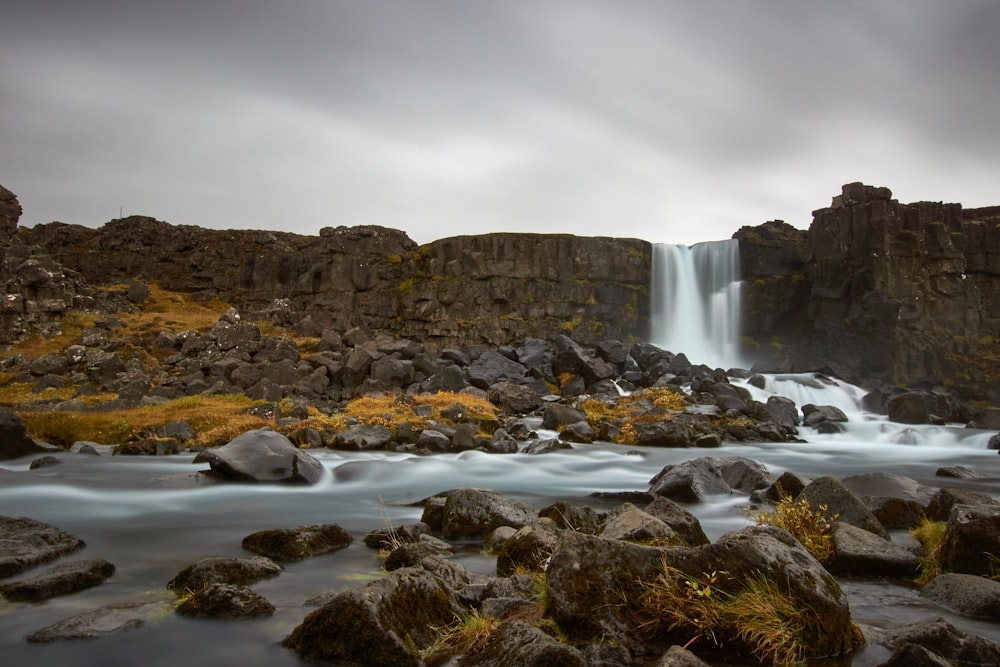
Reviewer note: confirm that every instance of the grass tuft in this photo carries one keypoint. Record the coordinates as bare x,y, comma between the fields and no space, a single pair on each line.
810,527
930,534
465,633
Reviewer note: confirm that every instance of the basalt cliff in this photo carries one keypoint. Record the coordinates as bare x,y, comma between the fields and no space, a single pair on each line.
874,291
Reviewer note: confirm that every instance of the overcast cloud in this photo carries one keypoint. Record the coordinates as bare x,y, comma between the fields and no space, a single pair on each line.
673,122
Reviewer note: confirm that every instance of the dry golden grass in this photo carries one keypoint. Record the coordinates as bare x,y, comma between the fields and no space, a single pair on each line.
756,615
465,633
930,534
213,418
649,405
390,411
810,527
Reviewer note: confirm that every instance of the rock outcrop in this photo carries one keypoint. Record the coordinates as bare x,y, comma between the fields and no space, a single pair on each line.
878,292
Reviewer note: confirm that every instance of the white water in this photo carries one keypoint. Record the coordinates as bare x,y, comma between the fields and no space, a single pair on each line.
695,301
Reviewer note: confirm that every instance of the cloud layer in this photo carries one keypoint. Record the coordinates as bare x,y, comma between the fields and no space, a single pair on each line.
669,121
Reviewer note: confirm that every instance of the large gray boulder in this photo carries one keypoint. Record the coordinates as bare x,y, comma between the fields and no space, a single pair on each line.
262,455
25,543
492,367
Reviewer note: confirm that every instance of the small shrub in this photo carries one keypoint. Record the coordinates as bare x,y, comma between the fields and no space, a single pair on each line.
810,527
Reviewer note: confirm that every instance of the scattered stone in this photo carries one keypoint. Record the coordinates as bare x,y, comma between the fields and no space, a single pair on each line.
968,594
475,513
102,622
294,544
840,501
690,481
25,543
224,601
944,639
860,553
520,643
62,579
971,532
14,440
223,570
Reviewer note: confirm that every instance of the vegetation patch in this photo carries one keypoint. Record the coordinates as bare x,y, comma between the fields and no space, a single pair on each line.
215,419
930,534
810,527
754,616
649,405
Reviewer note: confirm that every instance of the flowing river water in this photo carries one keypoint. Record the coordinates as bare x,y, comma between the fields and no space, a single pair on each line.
145,515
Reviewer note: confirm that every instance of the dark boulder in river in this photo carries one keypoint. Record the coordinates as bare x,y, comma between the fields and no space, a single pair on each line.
262,455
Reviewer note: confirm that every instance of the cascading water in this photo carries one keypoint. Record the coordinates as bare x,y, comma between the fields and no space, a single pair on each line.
695,301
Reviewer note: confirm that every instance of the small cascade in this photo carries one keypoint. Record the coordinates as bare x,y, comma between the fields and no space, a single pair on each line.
695,301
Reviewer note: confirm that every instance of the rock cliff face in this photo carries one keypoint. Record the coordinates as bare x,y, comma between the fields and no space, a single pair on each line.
878,291
493,289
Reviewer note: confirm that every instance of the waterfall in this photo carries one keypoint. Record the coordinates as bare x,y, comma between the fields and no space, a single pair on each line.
695,301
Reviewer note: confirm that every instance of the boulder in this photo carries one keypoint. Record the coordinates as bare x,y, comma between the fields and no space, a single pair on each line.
474,513
574,517
25,543
743,474
678,656
784,412
103,622
492,367
944,639
557,415
580,432
62,579
14,439
972,535
856,552
912,655
522,644
224,601
684,524
815,415
666,433
896,501
941,503
908,408
967,594
545,446
361,437
223,570
528,549
294,544
788,485
411,554
628,522
514,398
262,455
690,481
502,442
841,502
384,624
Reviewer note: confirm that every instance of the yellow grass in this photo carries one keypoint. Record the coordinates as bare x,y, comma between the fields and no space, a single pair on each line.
810,527
214,419
628,411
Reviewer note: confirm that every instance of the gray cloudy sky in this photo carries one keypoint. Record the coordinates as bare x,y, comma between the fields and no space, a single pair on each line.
669,121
